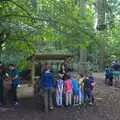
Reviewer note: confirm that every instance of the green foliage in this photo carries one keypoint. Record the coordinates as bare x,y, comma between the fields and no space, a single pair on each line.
50,26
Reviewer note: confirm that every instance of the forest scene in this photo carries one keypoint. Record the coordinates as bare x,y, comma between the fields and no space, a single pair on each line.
87,30
32,26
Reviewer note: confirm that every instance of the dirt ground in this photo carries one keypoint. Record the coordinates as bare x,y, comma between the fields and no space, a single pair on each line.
107,107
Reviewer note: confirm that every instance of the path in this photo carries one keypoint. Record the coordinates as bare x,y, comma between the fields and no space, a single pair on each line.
107,107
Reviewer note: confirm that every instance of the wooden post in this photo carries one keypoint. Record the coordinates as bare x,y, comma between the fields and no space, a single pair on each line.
33,71
57,66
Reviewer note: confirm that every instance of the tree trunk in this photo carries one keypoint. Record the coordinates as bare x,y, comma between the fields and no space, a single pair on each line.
83,56
101,25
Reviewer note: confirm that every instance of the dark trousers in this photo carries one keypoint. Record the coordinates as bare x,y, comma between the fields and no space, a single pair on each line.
14,92
89,94
106,79
110,81
1,94
48,98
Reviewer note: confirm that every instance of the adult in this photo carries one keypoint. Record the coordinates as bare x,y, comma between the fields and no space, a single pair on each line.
63,69
116,67
47,83
14,77
2,77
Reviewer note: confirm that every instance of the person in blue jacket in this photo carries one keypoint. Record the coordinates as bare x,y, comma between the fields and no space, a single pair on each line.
47,84
107,74
14,76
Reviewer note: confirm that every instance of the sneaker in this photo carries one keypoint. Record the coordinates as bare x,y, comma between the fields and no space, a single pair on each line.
90,103
51,108
16,103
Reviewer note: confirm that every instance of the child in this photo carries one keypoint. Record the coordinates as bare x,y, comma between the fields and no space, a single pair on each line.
89,83
59,92
106,72
68,90
81,87
75,88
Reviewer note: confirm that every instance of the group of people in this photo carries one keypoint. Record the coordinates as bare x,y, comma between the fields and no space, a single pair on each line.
67,89
13,77
112,74
70,89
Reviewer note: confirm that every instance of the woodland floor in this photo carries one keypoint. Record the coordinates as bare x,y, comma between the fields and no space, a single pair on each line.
107,107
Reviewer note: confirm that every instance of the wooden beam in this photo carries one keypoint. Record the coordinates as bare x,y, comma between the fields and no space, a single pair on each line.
33,72
49,56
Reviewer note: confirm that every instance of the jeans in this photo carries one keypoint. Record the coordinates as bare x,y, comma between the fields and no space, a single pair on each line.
81,95
89,94
68,98
1,94
48,98
14,92
59,98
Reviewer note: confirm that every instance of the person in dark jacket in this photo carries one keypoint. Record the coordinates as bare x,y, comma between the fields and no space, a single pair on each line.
89,83
2,76
47,84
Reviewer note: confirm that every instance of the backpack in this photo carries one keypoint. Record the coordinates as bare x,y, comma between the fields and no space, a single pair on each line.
111,75
86,83
107,71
